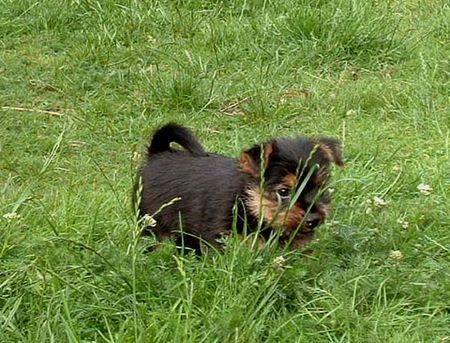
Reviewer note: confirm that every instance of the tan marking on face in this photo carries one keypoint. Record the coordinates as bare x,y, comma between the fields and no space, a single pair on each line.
302,238
290,220
290,180
285,220
258,205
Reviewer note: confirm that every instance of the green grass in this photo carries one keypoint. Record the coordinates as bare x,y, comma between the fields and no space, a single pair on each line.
373,73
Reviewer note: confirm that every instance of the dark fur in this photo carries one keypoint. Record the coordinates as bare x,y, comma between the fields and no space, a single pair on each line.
209,185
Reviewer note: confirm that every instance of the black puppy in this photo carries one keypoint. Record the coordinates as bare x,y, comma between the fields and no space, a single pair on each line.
282,182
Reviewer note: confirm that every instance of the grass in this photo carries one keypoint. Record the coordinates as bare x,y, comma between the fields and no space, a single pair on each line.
82,85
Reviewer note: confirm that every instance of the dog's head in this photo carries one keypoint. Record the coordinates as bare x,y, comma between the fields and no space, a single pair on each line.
290,188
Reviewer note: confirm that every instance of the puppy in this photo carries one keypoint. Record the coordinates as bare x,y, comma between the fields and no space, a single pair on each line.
278,187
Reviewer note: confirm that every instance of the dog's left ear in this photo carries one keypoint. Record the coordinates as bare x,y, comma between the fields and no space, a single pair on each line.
332,150
250,161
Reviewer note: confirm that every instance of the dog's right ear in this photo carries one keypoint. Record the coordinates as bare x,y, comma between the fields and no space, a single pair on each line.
332,149
250,161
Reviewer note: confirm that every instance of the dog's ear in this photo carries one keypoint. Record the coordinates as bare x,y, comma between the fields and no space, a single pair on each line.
332,150
250,161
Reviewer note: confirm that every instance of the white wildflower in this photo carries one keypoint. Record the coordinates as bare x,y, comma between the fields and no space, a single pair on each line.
12,216
148,220
379,202
396,255
425,189
403,223
279,262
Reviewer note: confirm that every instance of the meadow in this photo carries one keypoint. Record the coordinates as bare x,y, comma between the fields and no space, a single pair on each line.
83,84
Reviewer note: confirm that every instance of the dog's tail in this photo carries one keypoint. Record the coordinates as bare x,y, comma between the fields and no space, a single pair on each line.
169,133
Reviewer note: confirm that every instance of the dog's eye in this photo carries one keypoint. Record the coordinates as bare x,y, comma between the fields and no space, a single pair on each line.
284,192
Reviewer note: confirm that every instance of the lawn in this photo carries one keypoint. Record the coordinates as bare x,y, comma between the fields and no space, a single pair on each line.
83,83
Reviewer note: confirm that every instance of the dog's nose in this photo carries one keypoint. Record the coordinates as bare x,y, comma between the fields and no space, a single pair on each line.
312,221
311,224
